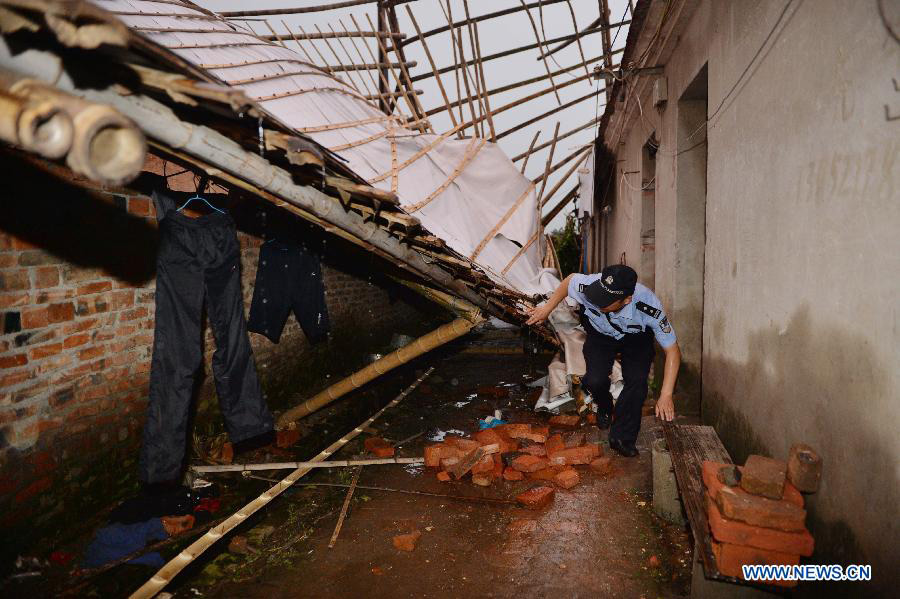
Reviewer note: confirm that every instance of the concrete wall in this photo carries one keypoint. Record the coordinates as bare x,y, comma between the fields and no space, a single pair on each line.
77,281
798,320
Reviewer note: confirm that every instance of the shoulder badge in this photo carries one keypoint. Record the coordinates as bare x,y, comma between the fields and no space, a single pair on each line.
580,287
665,326
648,309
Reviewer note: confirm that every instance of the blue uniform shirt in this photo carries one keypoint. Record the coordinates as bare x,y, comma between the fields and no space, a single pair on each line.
644,312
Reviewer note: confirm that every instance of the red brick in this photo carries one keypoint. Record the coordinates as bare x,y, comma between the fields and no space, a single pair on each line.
76,340
567,478
554,443
407,542
35,488
20,244
284,438
485,464
379,447
443,476
92,288
35,318
61,312
760,511
13,300
763,476
45,351
804,468
7,259
139,206
739,533
529,463
465,445
573,439
80,326
730,558
490,436
91,352
498,465
548,474
449,462
512,474
38,258
713,484
574,455
536,497
483,479
93,305
565,420
535,449
433,455
13,361
122,299
134,314
602,466
14,280
515,430
46,276
53,296
51,364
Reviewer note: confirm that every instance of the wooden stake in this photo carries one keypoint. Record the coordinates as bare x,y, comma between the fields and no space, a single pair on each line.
527,154
344,508
165,574
537,37
437,77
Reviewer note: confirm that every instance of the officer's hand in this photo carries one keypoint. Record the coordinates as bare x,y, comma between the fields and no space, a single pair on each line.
538,314
665,407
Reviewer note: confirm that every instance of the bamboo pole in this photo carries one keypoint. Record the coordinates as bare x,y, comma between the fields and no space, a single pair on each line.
347,34
365,66
382,76
382,98
294,465
512,51
302,10
437,77
550,112
299,45
440,336
344,508
401,57
449,17
562,180
567,43
590,123
577,37
314,47
537,38
410,103
562,163
165,574
338,61
607,45
547,165
480,69
545,220
478,19
350,66
456,40
275,35
482,107
528,152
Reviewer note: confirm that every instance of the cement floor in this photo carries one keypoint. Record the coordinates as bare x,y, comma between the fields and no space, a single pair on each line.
599,539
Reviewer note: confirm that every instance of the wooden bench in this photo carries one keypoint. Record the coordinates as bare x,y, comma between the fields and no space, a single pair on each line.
689,446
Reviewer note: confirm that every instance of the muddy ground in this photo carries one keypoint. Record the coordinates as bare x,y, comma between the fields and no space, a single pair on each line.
599,539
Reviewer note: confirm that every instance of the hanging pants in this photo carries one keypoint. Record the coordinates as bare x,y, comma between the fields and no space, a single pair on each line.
288,277
198,259
637,354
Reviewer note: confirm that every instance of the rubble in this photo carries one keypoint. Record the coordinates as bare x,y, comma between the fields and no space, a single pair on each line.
537,497
763,476
567,479
565,420
408,541
804,468
379,447
602,466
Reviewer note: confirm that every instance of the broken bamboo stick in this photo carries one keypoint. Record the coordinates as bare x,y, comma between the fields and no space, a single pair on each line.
590,123
420,346
578,37
545,219
542,201
550,112
537,37
348,34
527,153
294,465
165,574
344,508
479,90
547,165
456,41
401,57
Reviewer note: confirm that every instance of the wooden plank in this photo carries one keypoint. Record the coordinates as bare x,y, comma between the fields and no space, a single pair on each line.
689,447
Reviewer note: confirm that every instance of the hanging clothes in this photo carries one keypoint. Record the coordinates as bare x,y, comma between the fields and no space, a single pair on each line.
198,260
289,277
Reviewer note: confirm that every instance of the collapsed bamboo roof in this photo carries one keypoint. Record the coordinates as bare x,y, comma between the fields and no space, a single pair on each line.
459,202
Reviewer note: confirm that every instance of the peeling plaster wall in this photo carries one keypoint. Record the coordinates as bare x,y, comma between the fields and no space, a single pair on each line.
800,282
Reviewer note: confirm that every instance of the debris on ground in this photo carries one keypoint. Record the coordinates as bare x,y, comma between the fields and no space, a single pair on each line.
407,542
379,447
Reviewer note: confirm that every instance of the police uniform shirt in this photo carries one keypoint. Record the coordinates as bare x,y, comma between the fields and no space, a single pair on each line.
644,312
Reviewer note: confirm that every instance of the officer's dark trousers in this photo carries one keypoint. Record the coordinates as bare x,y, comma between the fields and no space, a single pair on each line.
198,259
637,354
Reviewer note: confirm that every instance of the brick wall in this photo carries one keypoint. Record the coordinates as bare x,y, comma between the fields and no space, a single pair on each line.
77,304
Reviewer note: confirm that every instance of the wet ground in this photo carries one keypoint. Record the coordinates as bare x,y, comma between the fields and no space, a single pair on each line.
599,539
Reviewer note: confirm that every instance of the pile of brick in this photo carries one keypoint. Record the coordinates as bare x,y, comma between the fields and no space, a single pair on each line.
756,512
515,452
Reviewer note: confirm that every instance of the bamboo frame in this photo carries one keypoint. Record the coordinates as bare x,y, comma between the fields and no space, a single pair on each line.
537,37
383,100
337,59
562,179
401,57
411,103
351,66
563,162
521,251
517,50
577,37
512,209
479,89
547,166
590,123
316,48
550,112
165,574
456,40
440,336
545,220
480,69
469,155
277,37
437,77
337,34
385,86
527,153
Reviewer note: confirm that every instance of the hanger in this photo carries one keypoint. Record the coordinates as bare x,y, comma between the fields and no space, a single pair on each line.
197,196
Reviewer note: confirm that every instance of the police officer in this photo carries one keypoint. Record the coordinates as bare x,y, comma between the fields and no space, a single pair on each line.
621,316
